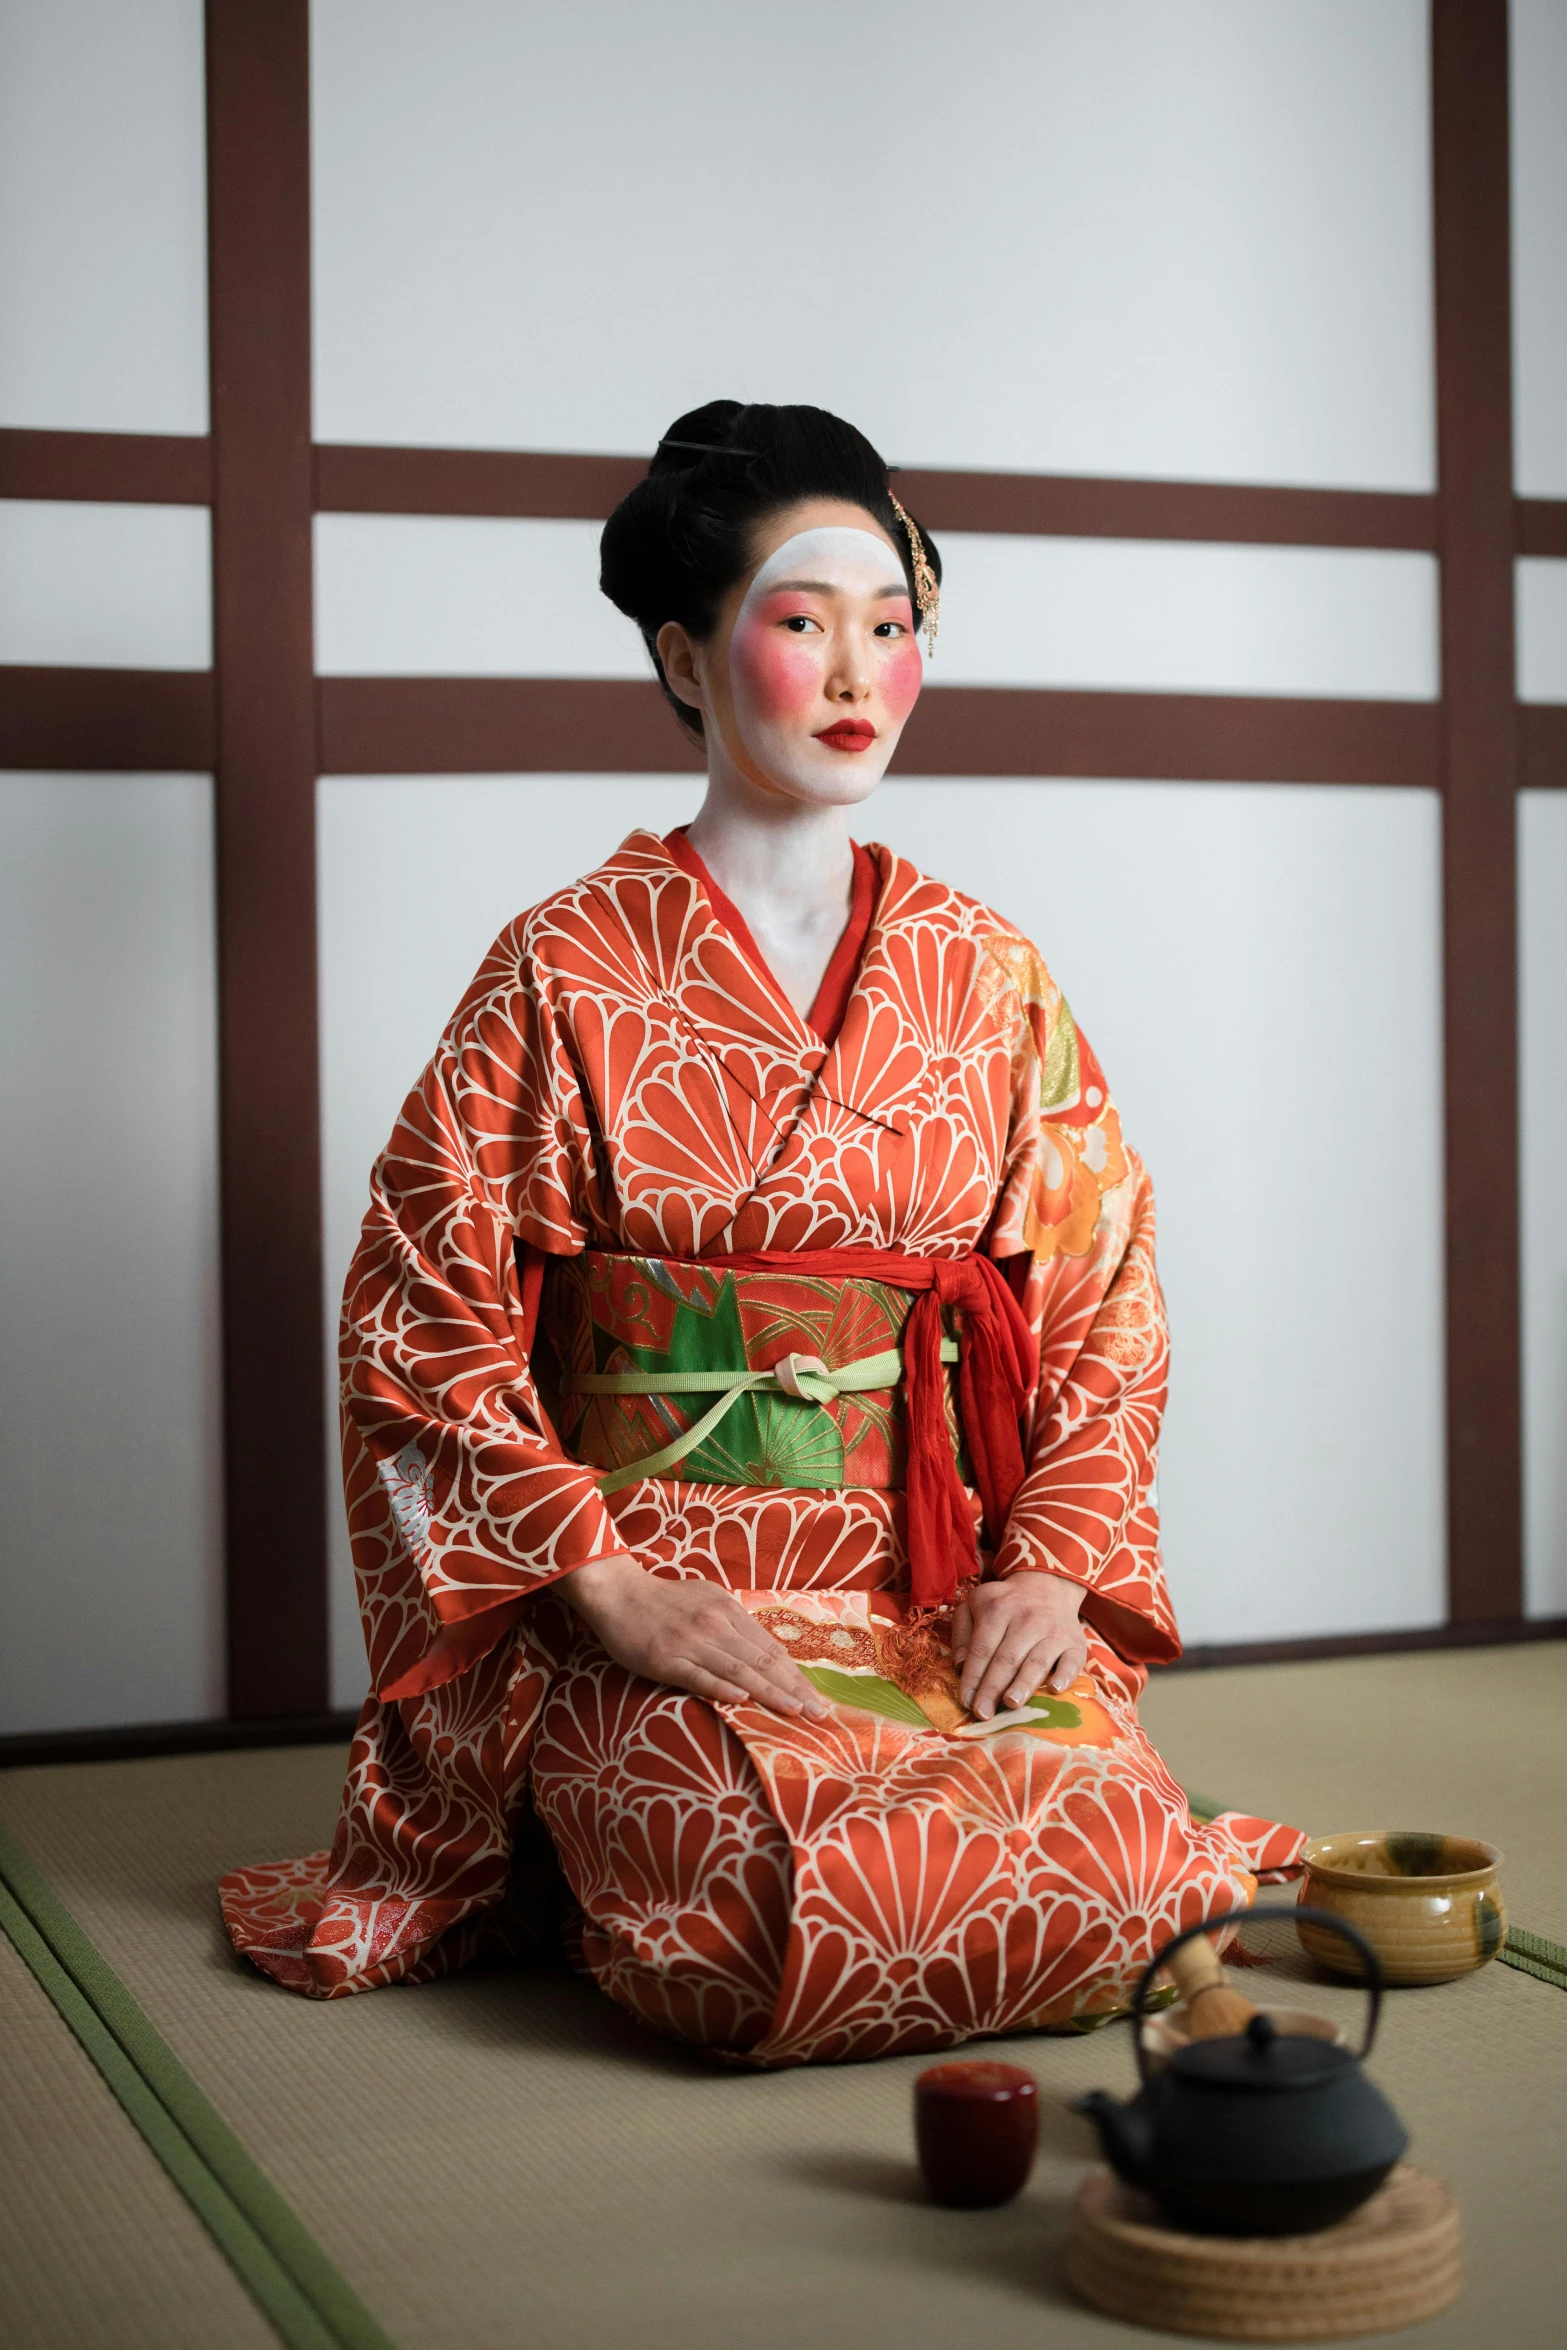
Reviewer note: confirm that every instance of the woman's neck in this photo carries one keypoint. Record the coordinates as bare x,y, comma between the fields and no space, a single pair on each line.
789,867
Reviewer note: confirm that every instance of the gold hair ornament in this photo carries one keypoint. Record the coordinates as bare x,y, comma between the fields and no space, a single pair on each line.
927,591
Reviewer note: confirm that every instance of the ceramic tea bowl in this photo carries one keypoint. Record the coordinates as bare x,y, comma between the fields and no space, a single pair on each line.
1430,1906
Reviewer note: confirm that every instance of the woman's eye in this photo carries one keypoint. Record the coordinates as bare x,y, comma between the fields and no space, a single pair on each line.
890,628
800,622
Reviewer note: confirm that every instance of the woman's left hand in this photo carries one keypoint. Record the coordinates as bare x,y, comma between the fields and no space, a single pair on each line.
1011,1639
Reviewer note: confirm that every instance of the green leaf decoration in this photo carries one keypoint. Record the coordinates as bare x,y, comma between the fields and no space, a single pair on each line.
771,1440
1041,1713
1053,1713
869,1692
1060,1080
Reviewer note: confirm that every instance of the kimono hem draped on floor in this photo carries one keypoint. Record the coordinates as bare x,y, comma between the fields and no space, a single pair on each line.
625,1135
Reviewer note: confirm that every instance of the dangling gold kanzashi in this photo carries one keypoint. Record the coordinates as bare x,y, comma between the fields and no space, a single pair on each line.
927,593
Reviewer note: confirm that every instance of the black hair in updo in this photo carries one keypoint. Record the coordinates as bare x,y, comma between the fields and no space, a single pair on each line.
678,542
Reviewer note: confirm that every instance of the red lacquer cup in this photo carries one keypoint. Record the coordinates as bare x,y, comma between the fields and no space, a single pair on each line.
975,2126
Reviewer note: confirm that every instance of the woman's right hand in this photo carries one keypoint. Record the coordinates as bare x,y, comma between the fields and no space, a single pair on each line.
689,1635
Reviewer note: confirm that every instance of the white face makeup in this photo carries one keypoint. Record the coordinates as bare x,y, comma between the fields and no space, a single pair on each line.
824,664
852,558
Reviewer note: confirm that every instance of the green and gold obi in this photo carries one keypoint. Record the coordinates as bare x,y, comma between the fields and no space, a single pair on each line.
665,1367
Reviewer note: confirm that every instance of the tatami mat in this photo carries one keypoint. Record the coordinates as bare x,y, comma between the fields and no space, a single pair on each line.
503,2160
98,2248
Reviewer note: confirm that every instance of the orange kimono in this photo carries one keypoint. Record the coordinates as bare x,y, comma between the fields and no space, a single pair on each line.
593,1195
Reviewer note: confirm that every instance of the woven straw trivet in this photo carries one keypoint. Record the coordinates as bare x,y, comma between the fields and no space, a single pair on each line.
1394,2261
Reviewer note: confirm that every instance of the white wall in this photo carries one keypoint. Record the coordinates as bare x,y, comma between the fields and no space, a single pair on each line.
1134,238
103,246
1542,624
1542,861
111,1601
434,595
100,586
1538,41
1539,121
111,1569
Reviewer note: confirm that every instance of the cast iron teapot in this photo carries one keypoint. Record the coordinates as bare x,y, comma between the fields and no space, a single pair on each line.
1261,2133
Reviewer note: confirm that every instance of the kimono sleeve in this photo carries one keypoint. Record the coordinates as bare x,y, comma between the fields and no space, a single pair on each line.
461,1502
1076,1220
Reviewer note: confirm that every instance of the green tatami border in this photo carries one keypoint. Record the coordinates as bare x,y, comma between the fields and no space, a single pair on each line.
311,2305
1537,1955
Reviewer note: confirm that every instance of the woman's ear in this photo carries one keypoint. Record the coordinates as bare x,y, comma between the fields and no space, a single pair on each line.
679,655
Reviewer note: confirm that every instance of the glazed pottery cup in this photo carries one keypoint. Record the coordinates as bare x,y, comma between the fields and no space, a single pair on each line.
975,2126
1430,1906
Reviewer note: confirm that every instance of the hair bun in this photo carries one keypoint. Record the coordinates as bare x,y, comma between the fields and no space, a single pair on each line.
700,433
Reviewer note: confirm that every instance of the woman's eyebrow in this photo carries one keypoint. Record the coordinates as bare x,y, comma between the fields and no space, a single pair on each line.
826,587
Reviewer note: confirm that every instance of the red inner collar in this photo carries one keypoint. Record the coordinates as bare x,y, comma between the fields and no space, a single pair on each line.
832,997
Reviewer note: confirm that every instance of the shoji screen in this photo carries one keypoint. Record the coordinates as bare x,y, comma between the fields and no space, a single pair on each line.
1539,67
1137,238
111,1583
110,1435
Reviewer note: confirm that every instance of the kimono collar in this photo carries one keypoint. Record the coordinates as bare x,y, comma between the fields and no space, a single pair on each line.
831,1001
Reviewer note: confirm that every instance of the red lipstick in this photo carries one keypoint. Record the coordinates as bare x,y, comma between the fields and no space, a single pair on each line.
848,734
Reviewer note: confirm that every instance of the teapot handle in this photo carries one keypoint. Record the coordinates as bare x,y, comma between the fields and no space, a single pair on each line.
1237,1917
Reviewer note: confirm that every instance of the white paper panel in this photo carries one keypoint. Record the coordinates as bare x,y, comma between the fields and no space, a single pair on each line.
428,596
115,587
1184,237
110,1461
103,256
1542,860
1198,619
1538,34
436,596
1542,629
418,874
1258,969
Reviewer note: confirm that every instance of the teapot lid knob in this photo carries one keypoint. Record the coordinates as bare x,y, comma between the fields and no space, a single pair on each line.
1262,2031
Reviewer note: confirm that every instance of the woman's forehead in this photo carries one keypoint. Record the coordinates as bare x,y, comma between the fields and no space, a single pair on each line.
835,556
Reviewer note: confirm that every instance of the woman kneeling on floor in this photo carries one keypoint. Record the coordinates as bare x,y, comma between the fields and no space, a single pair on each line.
752,1369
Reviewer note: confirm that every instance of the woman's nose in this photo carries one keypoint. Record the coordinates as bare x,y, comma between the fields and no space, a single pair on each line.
851,678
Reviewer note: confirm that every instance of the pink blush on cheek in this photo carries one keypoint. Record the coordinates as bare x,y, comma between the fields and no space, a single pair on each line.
901,679
780,673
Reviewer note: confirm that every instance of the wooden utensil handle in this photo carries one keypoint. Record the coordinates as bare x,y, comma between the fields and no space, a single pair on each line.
1195,1967
1213,2009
